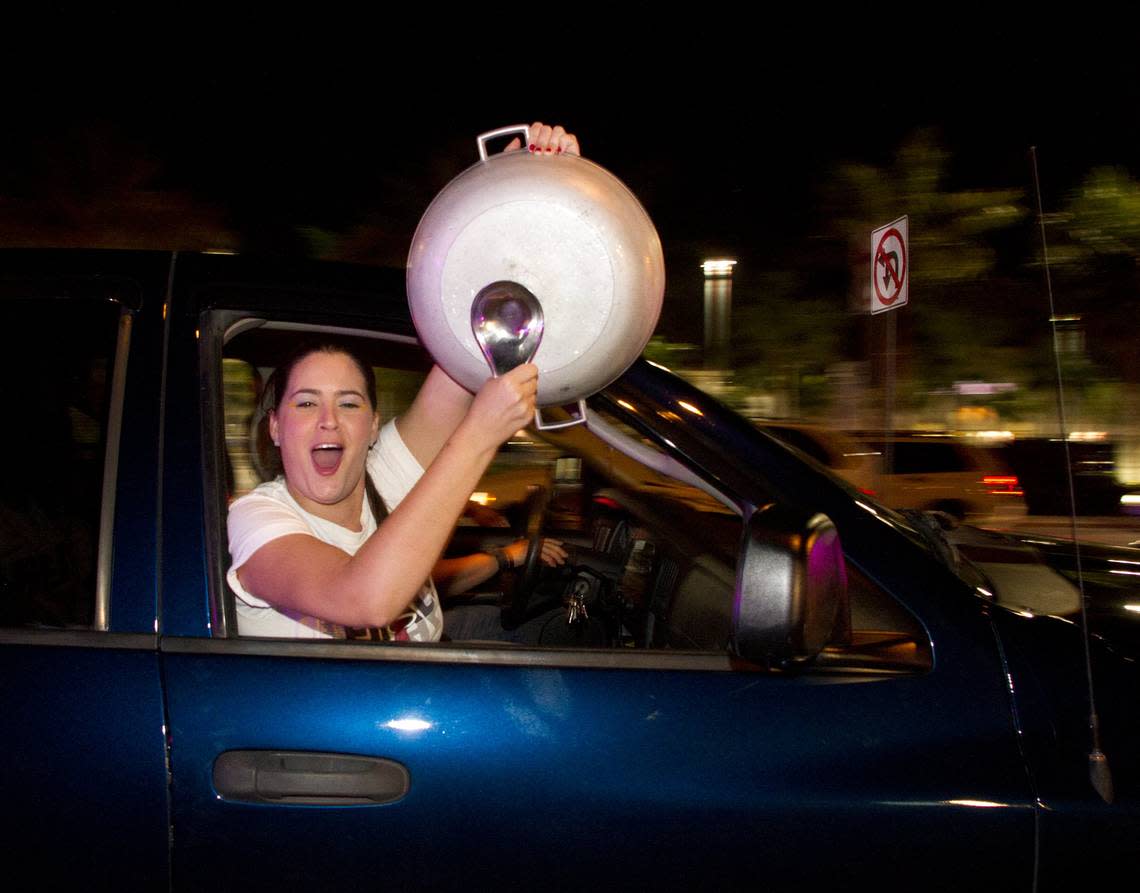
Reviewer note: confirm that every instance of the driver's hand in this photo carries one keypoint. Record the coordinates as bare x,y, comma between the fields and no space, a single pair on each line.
553,554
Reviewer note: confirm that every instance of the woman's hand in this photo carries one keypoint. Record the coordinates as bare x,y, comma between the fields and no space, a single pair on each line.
553,554
549,140
502,406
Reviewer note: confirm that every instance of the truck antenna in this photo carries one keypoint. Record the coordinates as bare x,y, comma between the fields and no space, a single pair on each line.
1099,774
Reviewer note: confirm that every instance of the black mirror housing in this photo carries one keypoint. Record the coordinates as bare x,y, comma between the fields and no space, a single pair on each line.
791,587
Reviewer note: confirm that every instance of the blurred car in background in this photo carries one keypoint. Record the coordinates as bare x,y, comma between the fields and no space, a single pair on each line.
930,472
938,472
1039,464
848,458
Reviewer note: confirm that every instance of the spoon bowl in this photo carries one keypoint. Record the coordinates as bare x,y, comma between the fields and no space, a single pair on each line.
507,322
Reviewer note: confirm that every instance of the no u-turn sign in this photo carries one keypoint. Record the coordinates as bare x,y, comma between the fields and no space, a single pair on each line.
890,266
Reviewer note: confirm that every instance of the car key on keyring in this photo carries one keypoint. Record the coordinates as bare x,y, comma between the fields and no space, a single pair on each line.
576,603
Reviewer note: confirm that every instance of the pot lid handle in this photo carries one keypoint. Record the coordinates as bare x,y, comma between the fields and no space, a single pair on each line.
481,140
578,419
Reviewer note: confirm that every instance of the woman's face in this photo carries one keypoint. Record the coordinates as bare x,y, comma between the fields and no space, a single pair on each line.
324,426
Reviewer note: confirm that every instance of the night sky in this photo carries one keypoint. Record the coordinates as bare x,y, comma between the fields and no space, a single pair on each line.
314,133
729,136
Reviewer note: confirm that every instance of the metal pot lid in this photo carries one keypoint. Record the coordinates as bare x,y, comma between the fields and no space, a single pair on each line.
566,230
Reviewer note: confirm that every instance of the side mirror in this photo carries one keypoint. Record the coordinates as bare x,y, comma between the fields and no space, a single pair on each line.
791,587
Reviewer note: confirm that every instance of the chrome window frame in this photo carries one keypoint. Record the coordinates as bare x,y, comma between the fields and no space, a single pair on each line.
105,555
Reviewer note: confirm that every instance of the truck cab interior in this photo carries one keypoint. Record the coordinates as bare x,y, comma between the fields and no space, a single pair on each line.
655,556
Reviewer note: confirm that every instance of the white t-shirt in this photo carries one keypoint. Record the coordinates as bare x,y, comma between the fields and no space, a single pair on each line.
270,512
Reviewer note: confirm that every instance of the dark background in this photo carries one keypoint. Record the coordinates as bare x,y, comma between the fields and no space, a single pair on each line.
329,135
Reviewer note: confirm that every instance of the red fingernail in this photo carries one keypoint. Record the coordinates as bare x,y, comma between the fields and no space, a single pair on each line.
558,151
532,147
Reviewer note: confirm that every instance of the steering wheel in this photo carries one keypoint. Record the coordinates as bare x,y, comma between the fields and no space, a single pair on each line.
527,577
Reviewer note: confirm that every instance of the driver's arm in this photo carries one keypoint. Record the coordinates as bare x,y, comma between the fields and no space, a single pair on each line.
453,576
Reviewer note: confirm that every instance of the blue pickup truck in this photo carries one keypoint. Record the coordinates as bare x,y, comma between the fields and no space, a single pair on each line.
766,678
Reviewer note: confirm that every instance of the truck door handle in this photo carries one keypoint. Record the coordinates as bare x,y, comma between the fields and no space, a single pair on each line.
323,779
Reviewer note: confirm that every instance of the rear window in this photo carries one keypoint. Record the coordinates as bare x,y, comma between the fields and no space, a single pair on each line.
61,352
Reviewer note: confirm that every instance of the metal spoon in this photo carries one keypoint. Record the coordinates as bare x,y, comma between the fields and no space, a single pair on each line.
507,321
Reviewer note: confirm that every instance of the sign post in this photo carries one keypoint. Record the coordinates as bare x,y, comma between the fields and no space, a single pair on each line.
890,290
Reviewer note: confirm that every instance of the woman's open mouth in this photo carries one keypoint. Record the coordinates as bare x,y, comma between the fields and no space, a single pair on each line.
327,456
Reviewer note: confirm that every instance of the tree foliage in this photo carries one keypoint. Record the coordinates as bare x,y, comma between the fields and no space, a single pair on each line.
1101,219
950,230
